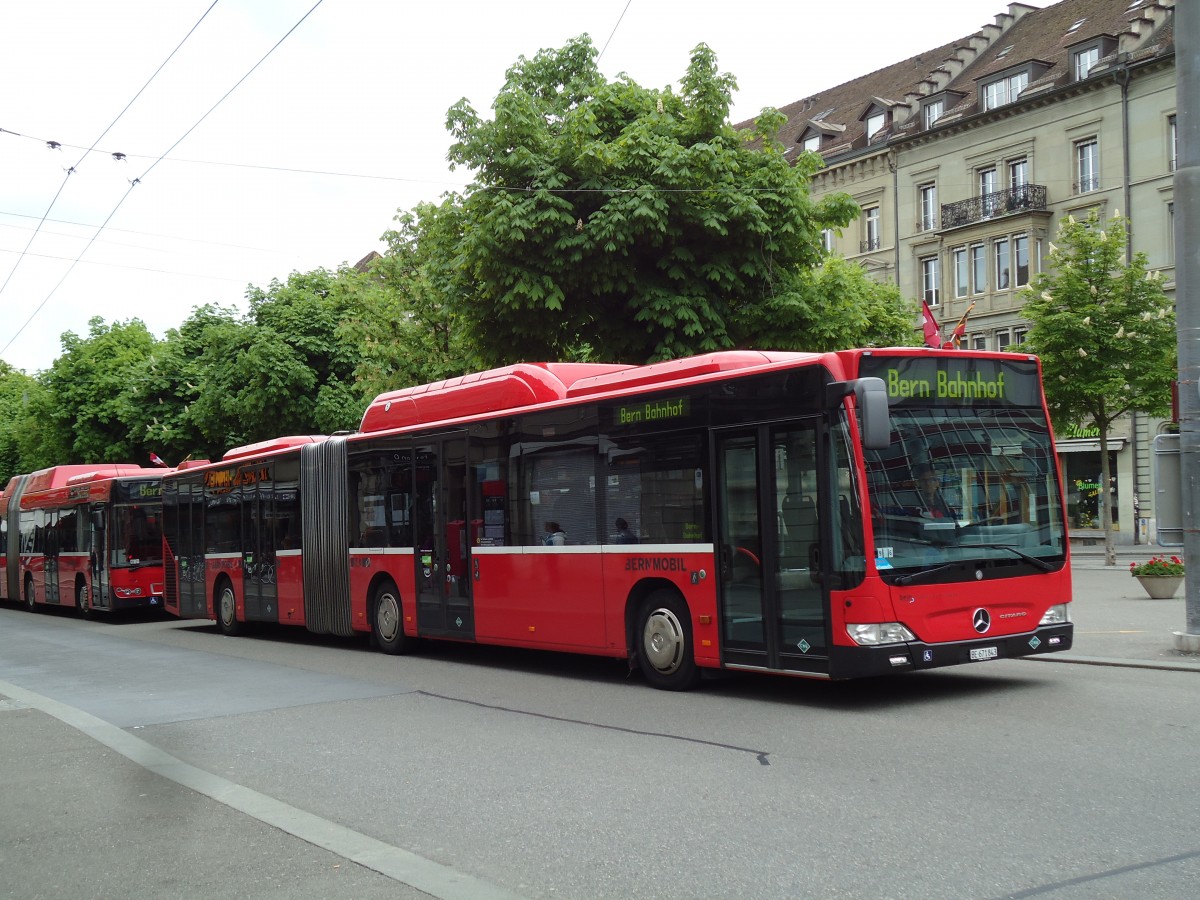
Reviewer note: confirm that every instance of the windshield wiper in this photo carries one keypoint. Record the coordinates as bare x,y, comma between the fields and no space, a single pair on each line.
925,573
1032,560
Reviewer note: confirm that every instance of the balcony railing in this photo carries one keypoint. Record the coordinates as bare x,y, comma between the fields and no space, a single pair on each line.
997,203
868,245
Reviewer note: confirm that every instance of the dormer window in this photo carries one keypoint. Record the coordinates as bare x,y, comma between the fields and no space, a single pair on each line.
1003,91
933,111
1083,60
875,123
811,143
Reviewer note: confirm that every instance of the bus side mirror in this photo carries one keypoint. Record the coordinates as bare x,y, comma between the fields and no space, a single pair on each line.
876,419
98,519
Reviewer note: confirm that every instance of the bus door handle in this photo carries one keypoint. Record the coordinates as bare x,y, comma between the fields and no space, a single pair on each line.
475,567
814,564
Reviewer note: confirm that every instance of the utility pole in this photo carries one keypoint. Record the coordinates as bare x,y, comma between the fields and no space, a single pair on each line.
1187,304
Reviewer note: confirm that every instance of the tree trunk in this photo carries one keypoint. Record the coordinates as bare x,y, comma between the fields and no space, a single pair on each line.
1110,548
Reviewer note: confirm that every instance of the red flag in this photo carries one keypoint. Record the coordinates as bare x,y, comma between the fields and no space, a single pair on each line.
933,336
154,458
960,330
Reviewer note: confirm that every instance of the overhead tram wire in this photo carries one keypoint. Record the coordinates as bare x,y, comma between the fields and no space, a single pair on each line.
72,169
136,181
620,19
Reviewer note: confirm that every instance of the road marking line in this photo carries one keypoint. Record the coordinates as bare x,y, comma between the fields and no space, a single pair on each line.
400,865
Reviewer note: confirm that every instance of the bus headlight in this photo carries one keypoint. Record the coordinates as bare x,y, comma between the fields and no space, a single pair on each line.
1059,614
872,634
128,592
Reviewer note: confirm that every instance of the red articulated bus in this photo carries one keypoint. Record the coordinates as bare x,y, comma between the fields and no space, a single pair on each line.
88,536
739,510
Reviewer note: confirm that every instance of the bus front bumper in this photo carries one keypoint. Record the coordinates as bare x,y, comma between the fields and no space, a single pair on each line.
858,662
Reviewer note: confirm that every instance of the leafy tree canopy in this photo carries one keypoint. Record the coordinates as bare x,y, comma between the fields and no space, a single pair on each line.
1105,332
636,221
1104,328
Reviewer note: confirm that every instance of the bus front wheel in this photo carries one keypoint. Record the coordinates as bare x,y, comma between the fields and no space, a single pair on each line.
387,626
664,645
227,619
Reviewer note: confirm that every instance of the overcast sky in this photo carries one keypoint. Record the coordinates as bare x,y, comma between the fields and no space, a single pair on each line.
305,164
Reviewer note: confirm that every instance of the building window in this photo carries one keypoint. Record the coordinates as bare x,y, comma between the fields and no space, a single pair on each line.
1171,232
812,143
871,231
987,190
961,284
1003,339
979,342
1019,335
978,269
875,123
1003,273
1172,145
1021,259
929,280
933,111
1087,166
1018,173
1005,90
929,207
827,240
1084,60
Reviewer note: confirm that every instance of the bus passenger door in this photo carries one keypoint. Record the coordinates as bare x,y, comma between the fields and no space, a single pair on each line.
53,547
98,556
441,542
772,595
258,546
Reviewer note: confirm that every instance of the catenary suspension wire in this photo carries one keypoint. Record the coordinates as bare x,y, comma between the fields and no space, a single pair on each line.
136,181
620,18
71,170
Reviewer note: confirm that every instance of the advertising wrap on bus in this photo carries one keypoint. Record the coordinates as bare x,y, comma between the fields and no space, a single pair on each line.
938,381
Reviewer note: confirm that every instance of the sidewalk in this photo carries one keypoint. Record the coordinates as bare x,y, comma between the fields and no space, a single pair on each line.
1116,624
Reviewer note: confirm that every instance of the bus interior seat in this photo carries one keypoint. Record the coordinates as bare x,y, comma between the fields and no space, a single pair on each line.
800,531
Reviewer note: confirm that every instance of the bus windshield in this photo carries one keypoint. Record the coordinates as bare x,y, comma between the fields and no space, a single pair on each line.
136,535
966,478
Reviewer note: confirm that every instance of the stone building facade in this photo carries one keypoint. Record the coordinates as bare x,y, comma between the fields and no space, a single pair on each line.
964,159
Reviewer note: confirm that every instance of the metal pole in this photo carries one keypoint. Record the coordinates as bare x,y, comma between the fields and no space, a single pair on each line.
1187,304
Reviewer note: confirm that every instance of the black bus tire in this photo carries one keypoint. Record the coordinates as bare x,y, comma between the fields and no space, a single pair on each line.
387,619
30,602
226,610
664,642
83,600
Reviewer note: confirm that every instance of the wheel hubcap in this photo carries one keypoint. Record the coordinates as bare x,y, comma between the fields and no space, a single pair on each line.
387,618
227,607
663,641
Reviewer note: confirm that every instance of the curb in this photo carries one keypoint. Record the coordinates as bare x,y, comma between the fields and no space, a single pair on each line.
1163,665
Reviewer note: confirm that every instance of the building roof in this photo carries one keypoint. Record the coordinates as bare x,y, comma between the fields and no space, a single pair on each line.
1024,38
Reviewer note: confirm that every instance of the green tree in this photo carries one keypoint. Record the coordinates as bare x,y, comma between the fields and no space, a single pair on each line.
92,385
27,441
636,222
404,329
833,306
1105,332
172,380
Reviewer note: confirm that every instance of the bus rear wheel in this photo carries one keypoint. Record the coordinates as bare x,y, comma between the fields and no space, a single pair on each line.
227,619
30,602
83,600
664,643
387,624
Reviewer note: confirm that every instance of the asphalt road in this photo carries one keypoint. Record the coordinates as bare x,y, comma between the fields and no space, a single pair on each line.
159,759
